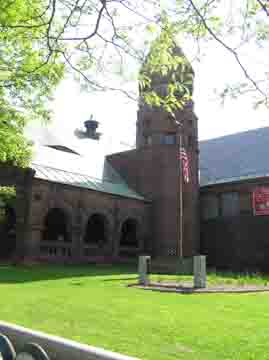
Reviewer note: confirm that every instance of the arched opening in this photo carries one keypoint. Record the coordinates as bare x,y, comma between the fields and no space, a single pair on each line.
55,226
129,233
7,231
96,230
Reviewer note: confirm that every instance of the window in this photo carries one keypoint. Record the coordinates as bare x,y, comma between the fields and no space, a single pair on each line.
147,123
161,90
209,207
148,140
245,203
230,204
168,139
191,140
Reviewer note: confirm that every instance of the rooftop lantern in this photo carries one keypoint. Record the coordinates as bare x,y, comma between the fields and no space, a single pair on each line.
91,125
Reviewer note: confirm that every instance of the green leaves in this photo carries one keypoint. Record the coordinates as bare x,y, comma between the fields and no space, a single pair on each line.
14,149
7,195
166,77
29,74
152,28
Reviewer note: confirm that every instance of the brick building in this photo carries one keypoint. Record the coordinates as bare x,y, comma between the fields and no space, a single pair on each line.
68,213
121,205
74,209
234,180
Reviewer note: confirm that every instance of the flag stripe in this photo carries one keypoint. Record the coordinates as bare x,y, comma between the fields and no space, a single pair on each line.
183,156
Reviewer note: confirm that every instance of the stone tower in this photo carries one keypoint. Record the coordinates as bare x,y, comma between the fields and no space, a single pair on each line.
153,169
153,122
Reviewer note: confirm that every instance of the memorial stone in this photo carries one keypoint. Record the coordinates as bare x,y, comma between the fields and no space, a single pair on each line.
199,270
143,269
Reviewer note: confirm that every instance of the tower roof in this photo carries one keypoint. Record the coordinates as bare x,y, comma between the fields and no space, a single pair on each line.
170,67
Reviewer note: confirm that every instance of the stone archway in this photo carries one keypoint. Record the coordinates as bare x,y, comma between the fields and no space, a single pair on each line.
96,232
7,231
56,226
129,233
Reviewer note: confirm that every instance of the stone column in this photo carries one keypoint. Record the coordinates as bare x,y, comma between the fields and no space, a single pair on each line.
23,213
34,241
199,270
116,231
143,270
77,244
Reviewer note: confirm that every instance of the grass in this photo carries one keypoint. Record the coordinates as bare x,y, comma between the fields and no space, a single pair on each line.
93,305
219,278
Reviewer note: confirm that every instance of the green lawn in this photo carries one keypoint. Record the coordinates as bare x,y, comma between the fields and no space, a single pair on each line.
94,306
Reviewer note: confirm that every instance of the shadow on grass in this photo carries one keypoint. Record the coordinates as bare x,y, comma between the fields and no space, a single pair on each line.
24,274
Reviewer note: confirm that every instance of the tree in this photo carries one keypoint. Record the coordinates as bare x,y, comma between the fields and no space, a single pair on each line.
101,36
105,41
94,37
14,148
28,75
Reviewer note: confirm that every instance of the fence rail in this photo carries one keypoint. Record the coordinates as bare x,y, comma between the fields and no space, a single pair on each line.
41,346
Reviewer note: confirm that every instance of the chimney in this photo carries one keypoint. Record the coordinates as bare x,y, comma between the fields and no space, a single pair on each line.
91,126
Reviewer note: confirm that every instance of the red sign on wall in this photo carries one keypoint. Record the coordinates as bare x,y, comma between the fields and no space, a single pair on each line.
260,199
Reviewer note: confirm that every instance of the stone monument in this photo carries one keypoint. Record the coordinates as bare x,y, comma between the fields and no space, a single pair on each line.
143,269
199,271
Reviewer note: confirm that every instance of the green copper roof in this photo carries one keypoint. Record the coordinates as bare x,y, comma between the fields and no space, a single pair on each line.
84,181
76,163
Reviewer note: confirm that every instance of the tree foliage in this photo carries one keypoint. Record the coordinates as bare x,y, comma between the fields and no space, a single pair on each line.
14,148
99,37
103,42
28,75
7,195
166,76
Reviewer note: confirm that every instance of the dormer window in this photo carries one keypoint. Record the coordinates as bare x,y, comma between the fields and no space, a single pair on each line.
63,148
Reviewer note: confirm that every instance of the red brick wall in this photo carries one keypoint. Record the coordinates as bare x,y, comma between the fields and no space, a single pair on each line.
239,242
154,172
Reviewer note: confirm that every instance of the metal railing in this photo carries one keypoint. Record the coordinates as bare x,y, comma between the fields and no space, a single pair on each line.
18,343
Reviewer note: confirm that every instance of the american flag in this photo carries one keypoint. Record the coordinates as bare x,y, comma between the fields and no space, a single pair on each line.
183,156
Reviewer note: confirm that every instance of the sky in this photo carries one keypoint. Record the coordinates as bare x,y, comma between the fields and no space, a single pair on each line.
117,114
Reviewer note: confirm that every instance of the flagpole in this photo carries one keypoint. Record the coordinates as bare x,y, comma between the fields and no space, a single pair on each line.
180,201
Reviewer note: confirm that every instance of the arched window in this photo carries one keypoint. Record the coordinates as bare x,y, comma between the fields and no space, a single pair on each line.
7,231
8,218
56,228
96,230
148,140
129,233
